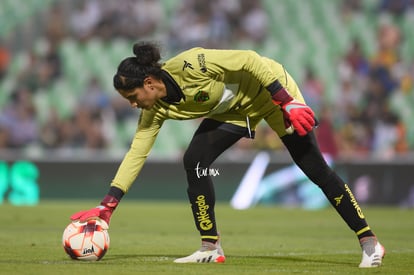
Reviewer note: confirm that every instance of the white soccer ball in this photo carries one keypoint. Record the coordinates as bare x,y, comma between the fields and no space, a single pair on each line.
86,241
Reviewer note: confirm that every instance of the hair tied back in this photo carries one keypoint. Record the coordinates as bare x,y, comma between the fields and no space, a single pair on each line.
146,53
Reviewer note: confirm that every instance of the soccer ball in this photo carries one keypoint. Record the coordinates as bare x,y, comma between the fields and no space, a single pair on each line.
86,241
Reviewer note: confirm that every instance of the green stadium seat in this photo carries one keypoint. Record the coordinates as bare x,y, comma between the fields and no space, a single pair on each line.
16,12
41,100
302,32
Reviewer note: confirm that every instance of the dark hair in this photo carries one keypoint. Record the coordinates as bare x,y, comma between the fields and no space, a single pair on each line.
133,70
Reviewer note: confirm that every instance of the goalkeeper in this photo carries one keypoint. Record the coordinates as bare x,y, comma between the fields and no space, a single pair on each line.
233,90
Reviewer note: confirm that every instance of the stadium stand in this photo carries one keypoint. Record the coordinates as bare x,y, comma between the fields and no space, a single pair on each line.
16,12
319,39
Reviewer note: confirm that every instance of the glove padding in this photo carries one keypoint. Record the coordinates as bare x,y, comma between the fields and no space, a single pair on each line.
99,212
299,116
103,211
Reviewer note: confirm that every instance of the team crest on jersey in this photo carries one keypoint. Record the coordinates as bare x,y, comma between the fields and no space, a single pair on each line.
201,96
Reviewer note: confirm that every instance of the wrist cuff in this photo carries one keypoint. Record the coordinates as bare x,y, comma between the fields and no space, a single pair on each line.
110,202
274,87
116,193
280,95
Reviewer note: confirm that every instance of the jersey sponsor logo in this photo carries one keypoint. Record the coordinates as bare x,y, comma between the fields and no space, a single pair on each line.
354,202
206,172
203,218
201,96
202,62
187,65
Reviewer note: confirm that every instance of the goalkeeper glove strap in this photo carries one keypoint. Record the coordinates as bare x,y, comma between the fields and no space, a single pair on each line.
113,197
280,95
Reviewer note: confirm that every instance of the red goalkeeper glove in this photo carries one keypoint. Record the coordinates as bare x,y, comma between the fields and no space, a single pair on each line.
103,211
298,116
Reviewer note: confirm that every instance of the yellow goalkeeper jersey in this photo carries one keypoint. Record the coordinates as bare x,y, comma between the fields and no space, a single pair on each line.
225,85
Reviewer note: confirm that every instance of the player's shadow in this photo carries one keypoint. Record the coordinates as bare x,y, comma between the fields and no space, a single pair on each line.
296,259
273,259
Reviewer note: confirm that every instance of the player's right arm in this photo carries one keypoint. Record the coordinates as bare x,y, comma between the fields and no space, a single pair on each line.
147,131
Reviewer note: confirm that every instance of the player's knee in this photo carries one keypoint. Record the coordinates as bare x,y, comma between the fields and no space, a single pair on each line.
196,158
190,158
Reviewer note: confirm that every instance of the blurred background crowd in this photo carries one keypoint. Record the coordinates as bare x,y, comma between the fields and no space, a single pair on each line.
353,59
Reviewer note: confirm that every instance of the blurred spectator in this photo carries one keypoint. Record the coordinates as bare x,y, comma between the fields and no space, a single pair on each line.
4,135
354,138
395,7
348,101
85,18
313,90
350,7
19,119
147,14
362,118
98,103
217,23
356,59
389,46
28,75
122,108
42,68
353,71
387,135
367,124
375,97
253,21
94,98
128,19
56,28
84,130
4,59
401,143
52,61
221,16
190,25
325,133
51,134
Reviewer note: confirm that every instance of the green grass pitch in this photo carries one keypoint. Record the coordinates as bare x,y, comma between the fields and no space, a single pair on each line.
146,236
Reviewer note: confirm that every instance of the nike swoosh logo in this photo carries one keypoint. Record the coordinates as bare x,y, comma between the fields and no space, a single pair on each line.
290,107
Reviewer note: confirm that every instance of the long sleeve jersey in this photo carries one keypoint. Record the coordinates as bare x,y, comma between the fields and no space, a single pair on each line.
213,82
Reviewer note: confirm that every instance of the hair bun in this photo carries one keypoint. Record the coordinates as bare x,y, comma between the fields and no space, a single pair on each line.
146,53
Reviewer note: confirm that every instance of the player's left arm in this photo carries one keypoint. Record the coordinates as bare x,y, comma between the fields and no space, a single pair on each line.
298,116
